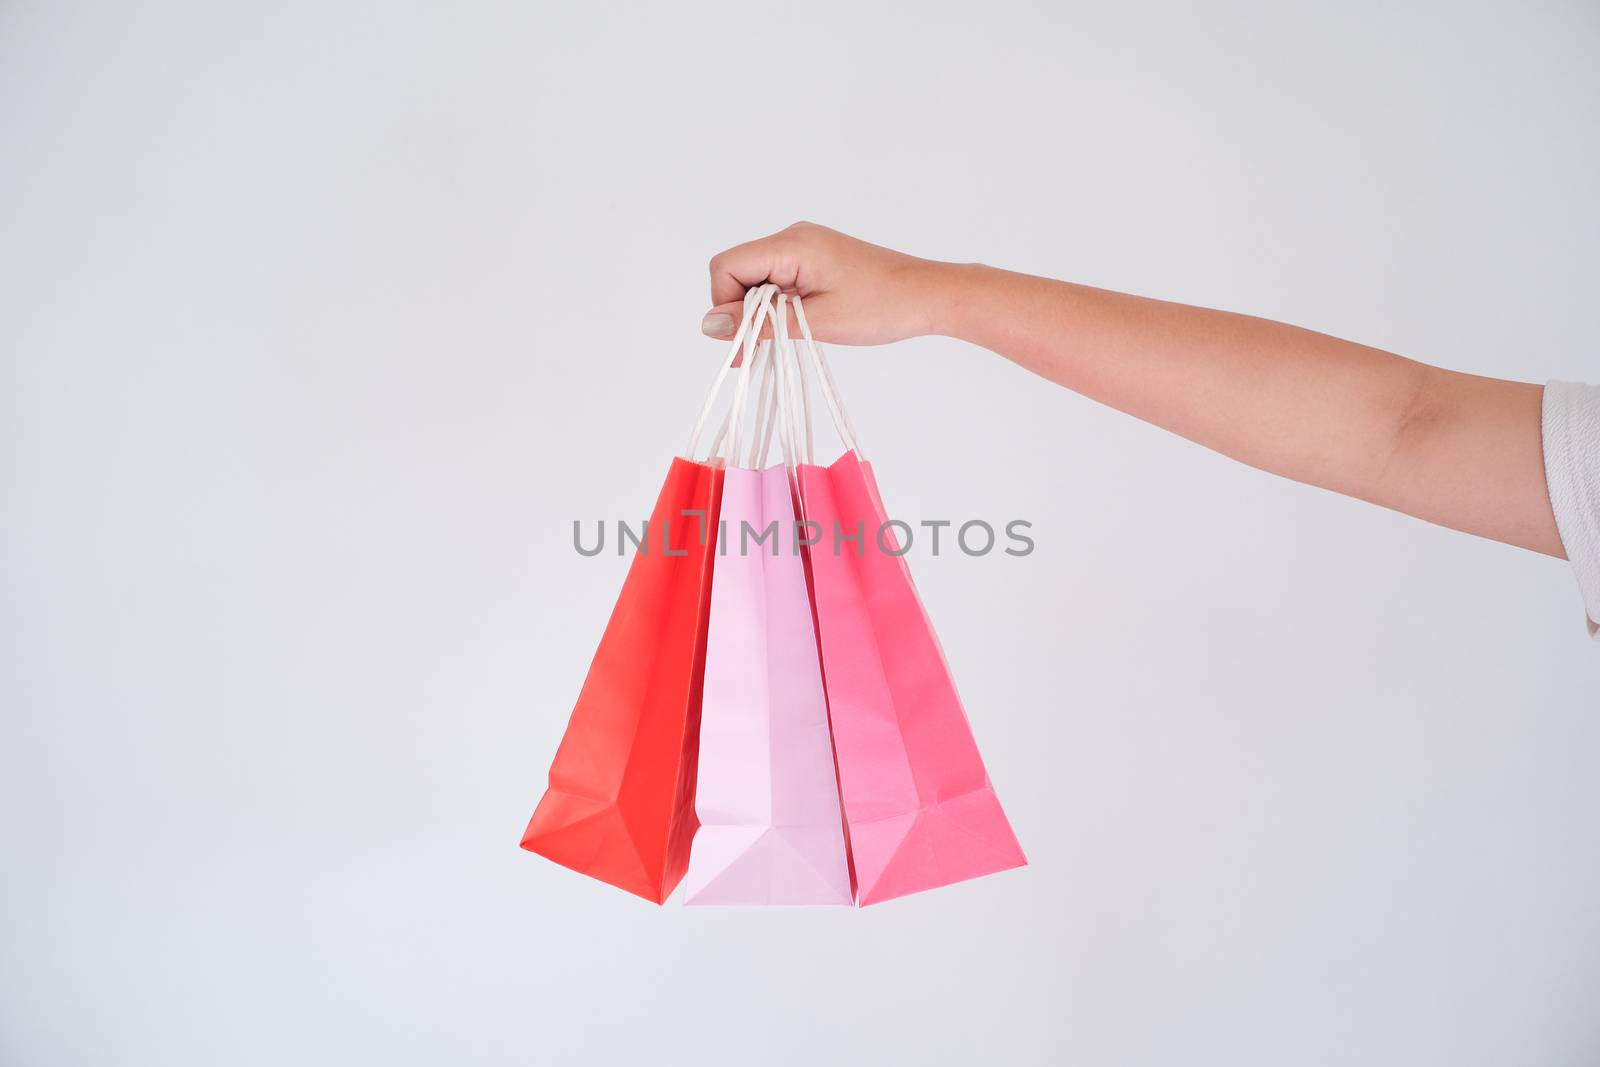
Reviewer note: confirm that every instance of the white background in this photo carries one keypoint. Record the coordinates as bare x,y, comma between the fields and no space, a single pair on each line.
321,322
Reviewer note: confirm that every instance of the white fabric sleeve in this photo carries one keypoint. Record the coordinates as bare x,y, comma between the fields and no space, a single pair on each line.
1572,473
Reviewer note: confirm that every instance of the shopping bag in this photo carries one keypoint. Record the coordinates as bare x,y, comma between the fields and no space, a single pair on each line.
620,801
767,799
919,807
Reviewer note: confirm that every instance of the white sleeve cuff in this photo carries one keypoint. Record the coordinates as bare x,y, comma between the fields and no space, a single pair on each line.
1572,473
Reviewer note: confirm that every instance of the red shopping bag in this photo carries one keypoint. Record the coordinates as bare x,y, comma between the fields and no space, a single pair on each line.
620,806
620,802
918,804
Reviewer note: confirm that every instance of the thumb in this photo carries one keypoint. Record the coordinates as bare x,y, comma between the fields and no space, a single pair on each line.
721,321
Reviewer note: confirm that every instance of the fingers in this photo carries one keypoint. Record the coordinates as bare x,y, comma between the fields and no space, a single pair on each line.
768,260
794,259
801,260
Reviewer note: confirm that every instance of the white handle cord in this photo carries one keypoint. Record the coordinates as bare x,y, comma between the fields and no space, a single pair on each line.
757,305
825,382
773,426
765,359
796,381
773,416
792,391
728,432
752,348
785,363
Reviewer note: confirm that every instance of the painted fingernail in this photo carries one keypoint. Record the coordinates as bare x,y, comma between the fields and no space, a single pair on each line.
716,325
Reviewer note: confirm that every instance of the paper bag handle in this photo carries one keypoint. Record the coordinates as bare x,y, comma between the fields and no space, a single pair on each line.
825,383
757,306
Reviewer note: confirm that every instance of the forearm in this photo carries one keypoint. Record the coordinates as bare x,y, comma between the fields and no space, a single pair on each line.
1451,448
1455,449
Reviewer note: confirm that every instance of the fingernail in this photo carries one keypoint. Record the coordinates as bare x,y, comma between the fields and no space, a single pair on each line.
716,325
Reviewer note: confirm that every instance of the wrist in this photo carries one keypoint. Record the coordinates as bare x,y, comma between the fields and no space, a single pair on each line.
948,299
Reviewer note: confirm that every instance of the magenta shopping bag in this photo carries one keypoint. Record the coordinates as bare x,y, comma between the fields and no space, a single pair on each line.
771,830
919,808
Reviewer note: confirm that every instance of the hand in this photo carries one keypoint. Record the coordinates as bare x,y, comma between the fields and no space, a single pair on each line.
855,293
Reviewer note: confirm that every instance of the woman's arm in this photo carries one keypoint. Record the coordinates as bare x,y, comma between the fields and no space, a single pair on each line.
1455,449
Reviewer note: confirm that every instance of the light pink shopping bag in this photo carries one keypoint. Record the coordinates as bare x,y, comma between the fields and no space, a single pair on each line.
919,807
771,830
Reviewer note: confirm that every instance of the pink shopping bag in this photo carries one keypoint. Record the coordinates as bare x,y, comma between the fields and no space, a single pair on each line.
771,830
919,807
